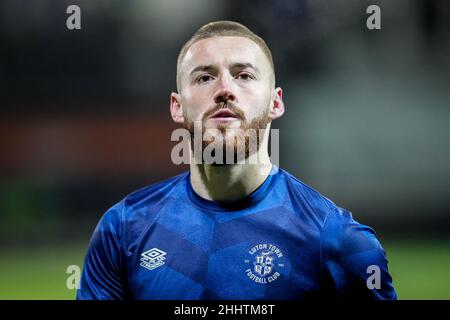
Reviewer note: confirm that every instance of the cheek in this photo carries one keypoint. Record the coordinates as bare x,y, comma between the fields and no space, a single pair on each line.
258,102
194,105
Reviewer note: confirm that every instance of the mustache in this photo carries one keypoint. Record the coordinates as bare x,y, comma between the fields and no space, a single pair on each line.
225,105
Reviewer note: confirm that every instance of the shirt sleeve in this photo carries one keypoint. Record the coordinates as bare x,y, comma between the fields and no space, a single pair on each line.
103,275
354,264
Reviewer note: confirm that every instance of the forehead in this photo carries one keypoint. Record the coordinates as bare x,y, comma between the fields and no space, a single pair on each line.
223,51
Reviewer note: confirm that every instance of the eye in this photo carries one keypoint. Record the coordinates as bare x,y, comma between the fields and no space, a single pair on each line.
245,76
204,78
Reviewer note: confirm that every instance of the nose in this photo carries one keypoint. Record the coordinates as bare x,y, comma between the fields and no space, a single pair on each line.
224,92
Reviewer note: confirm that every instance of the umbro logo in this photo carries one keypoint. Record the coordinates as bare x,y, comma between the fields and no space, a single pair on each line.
152,258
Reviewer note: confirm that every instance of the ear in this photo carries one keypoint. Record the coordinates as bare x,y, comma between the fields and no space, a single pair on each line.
277,109
176,108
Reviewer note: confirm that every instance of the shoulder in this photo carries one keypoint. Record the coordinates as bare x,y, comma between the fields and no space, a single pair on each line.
351,246
146,200
342,233
337,222
153,191
352,257
306,199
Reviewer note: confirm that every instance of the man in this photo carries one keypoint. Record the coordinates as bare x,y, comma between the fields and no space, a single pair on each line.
236,227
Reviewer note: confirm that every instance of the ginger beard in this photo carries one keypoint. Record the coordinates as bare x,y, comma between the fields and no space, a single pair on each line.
241,142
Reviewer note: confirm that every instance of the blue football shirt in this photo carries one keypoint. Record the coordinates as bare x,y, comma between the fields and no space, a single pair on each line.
283,241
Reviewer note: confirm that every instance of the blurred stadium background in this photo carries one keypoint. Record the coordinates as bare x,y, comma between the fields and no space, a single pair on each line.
84,120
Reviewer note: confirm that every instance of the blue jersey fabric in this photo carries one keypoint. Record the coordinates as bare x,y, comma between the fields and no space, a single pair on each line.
283,241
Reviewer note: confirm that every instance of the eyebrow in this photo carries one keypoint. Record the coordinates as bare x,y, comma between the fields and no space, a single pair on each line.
237,65
203,68
244,65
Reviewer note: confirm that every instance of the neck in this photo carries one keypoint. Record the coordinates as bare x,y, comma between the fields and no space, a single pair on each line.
228,183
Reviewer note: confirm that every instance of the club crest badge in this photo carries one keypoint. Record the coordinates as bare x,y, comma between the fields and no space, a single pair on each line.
266,263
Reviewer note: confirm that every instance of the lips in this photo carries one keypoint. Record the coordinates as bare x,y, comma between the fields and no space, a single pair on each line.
224,113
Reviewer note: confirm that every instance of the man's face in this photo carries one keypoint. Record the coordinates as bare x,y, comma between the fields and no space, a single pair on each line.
226,84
